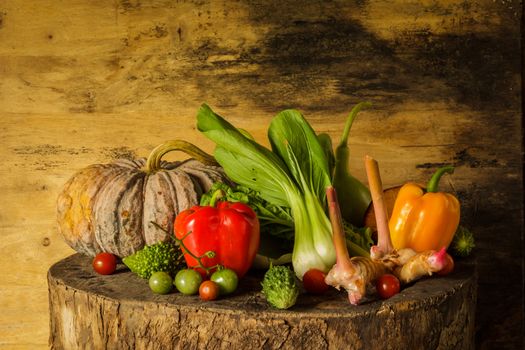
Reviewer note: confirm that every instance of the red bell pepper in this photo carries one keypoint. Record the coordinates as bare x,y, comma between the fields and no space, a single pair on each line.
229,230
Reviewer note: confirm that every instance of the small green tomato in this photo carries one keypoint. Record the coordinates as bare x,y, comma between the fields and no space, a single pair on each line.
226,279
188,281
160,282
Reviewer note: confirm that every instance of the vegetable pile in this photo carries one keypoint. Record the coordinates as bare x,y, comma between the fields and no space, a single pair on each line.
293,174
293,209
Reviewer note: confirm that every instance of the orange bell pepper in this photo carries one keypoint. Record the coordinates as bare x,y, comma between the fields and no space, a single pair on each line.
424,221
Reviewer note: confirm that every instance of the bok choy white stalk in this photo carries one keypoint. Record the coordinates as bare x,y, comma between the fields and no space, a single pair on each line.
294,174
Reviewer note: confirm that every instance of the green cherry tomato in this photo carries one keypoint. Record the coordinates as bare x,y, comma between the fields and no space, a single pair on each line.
226,279
160,282
188,281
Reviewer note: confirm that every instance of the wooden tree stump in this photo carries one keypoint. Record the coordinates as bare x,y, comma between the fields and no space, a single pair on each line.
90,311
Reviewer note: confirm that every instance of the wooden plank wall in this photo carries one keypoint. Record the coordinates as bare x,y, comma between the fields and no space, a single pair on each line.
84,82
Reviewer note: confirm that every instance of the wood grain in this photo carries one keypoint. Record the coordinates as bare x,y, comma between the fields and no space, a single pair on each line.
84,82
432,313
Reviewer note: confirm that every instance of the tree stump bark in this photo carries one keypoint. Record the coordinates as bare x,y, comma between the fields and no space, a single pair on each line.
90,311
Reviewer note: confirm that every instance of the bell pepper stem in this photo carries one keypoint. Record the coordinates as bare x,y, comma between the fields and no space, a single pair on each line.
218,194
434,181
350,121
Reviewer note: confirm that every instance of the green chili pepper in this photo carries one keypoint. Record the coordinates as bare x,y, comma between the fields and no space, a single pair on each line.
354,197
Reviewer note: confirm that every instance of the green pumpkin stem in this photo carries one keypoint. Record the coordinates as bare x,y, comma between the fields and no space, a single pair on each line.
155,157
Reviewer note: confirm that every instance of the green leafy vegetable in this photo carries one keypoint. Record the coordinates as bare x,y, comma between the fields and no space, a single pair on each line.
294,175
244,160
294,140
326,142
280,287
358,239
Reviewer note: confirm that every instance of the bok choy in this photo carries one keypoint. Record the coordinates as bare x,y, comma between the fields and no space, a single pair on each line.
294,174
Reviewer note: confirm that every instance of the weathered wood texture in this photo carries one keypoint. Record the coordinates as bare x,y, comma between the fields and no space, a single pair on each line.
84,82
120,312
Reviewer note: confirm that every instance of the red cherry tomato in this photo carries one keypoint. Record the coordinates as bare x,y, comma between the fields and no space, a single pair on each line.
448,268
105,263
387,286
313,281
208,290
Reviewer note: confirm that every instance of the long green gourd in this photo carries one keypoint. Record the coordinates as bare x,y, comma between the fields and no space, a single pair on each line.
354,197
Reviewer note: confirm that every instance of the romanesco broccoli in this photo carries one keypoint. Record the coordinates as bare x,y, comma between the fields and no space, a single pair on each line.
162,256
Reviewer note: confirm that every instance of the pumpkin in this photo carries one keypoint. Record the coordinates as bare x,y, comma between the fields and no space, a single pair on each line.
117,207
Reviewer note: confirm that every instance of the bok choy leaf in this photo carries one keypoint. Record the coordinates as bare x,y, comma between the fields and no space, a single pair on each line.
295,175
294,140
247,162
